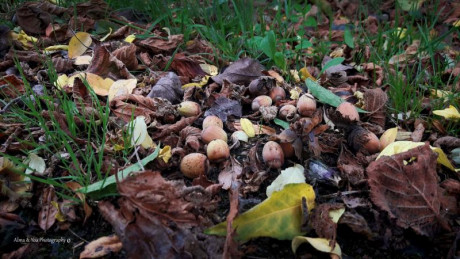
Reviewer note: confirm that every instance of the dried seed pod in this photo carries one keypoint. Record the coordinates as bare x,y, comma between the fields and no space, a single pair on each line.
261,85
306,105
213,132
189,109
212,120
361,139
320,172
348,112
217,150
259,101
287,112
193,165
273,155
277,93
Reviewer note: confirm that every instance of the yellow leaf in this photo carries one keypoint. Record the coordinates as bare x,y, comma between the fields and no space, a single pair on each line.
59,215
388,137
165,153
148,143
130,38
202,83
57,47
122,87
294,94
107,35
279,216
138,130
336,214
209,69
448,113
83,60
456,23
403,146
401,32
26,40
320,244
304,74
248,127
337,53
79,43
100,85
61,81
295,75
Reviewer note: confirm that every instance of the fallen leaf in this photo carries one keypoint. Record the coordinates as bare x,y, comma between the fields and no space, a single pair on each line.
35,164
121,87
224,107
165,153
83,60
168,87
47,214
59,215
158,45
324,220
104,64
100,85
74,186
247,127
448,113
388,137
138,130
304,74
375,103
79,43
406,186
127,55
34,17
56,47
242,71
231,171
320,244
258,129
101,247
130,38
294,174
403,146
279,216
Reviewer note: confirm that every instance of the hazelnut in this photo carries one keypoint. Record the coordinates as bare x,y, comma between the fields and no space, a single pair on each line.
287,111
288,149
193,165
273,155
306,105
277,93
362,139
212,120
217,150
189,109
261,100
348,111
213,132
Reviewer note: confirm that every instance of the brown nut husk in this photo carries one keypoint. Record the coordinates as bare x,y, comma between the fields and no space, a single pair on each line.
217,151
361,139
277,94
273,155
193,165
348,111
287,112
212,120
213,132
189,109
259,101
306,105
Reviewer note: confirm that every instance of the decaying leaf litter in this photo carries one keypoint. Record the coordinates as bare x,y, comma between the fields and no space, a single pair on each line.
191,155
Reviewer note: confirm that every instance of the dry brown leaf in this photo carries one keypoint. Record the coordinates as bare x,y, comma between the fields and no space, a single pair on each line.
105,64
258,129
185,66
374,70
165,130
357,224
127,55
158,45
417,134
447,142
94,9
101,247
375,102
405,185
47,214
242,71
86,208
169,88
350,167
322,222
13,86
34,17
232,171
231,246
62,65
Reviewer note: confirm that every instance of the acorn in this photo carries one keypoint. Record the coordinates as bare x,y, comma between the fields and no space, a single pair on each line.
277,93
288,149
217,151
189,109
306,105
348,111
213,132
212,120
273,155
287,111
194,164
261,100
362,139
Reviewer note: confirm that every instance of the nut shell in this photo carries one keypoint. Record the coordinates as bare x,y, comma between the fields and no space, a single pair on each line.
189,109
217,151
306,105
212,120
287,111
277,93
193,165
273,155
348,111
213,132
259,101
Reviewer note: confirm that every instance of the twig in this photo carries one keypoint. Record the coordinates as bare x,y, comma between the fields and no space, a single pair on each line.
7,106
342,194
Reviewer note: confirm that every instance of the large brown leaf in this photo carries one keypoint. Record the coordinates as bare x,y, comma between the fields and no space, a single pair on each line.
105,64
159,45
34,17
47,214
127,55
375,102
242,71
405,185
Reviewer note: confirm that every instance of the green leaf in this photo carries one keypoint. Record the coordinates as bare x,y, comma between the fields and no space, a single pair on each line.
280,60
409,5
121,174
332,62
320,244
279,216
348,38
268,44
310,22
303,45
324,95
283,124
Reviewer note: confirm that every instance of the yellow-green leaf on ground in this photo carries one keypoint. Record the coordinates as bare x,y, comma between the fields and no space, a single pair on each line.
320,244
248,127
165,154
139,130
403,146
100,85
294,174
448,113
408,5
57,47
148,143
388,137
279,216
130,38
35,164
79,43
122,87
210,69
83,60
336,214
